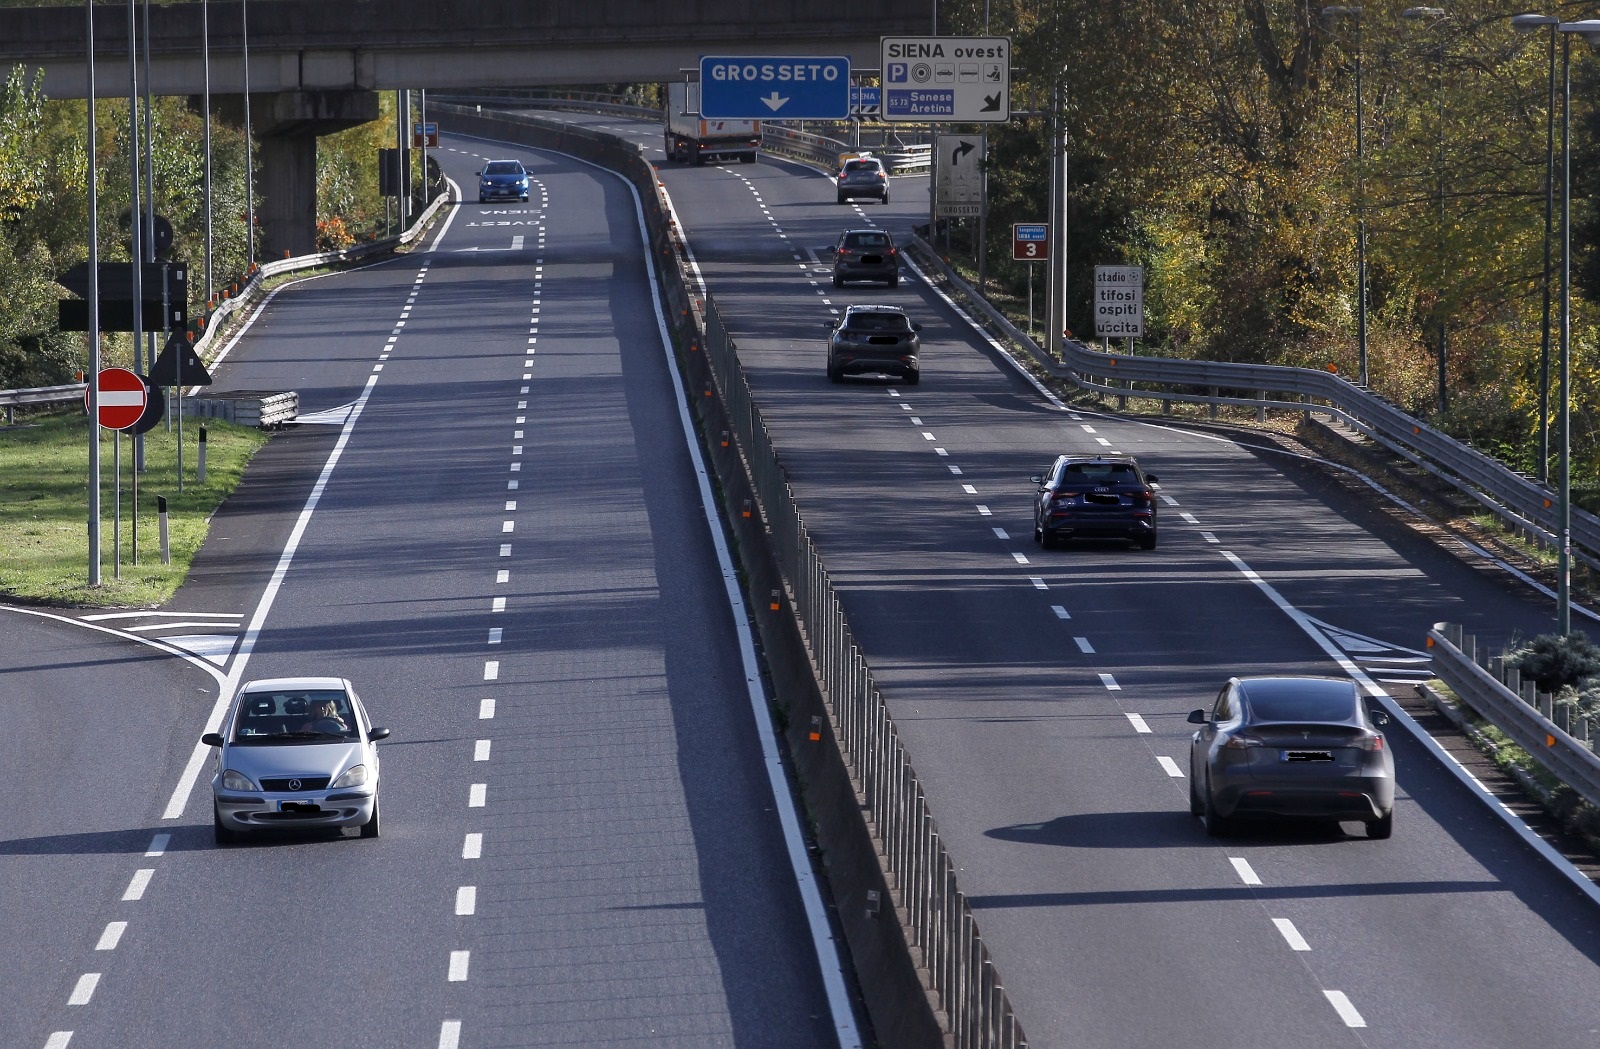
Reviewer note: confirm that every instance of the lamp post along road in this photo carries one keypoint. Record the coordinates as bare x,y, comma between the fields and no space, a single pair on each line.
1354,13
1590,30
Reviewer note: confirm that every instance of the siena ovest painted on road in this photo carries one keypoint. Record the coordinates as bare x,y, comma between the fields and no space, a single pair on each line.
792,87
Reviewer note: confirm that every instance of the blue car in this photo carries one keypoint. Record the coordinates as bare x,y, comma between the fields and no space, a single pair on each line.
502,179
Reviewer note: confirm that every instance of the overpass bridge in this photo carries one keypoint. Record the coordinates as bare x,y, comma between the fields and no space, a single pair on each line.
315,65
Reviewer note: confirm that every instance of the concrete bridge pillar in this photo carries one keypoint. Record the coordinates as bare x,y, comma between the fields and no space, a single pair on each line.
286,172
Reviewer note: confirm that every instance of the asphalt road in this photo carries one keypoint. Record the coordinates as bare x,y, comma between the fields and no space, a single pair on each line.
508,557
1042,694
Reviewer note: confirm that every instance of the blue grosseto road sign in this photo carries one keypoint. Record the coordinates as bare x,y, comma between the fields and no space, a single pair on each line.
774,87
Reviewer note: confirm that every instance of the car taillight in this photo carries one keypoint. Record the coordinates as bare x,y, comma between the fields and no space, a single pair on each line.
1369,741
1242,741
891,252
845,253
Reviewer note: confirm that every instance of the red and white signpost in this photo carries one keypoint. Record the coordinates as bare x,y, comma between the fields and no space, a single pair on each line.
119,403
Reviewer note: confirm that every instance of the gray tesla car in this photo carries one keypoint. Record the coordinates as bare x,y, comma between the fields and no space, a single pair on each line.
1293,747
295,753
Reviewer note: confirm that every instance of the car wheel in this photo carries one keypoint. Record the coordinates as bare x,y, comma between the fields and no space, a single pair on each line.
838,281
835,375
1217,825
1038,535
843,199
913,378
369,829
1147,542
1195,807
482,199
1382,828
893,282
886,196
223,835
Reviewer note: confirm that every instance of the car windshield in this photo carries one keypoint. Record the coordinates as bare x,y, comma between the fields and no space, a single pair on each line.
866,240
294,716
503,167
878,322
1334,702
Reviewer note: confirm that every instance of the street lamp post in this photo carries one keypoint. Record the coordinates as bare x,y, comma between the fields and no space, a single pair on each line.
1438,16
1527,24
1590,29
1354,13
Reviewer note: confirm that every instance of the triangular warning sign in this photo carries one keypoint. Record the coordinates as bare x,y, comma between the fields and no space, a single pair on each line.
179,365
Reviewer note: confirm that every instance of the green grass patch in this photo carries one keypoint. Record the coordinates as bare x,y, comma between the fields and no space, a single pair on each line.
44,507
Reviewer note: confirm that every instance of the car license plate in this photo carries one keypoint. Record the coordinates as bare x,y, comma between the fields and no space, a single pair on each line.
305,808
1305,755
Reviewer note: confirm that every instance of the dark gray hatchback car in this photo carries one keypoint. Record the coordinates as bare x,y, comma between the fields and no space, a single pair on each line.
1291,747
1095,497
874,340
863,177
865,254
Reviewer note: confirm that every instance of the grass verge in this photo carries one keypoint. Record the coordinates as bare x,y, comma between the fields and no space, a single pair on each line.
44,508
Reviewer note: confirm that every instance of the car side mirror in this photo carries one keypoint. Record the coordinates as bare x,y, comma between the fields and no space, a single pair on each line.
1037,479
916,327
1378,715
1152,478
1197,717
479,173
828,324
377,734
212,739
833,249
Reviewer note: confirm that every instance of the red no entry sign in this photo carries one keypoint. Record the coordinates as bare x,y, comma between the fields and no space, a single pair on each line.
122,398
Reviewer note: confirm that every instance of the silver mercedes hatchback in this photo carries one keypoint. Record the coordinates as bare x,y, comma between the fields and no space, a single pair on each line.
295,753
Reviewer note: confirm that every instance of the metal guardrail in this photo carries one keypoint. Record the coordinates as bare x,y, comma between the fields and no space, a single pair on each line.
12,399
1554,734
247,408
1520,502
936,910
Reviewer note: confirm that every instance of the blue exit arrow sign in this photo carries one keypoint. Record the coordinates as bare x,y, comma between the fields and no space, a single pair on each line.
774,87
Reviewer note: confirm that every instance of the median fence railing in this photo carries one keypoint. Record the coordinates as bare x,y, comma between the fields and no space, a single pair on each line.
1554,733
934,908
1520,502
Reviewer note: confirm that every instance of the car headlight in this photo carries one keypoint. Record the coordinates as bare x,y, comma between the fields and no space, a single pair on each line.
232,780
354,776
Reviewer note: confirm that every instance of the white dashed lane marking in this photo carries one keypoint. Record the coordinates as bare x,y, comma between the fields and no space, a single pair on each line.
1291,935
1346,1011
1247,873
1170,767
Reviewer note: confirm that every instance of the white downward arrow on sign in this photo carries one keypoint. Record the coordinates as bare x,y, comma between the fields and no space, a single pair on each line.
775,102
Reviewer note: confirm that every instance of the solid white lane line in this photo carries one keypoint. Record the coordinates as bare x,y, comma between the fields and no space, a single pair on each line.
140,882
450,1034
480,749
459,962
1110,683
467,900
1084,646
1291,934
1247,873
1170,766
84,990
1346,1011
158,844
491,669
478,796
485,709
1061,612
1038,583
472,847
1138,722
112,936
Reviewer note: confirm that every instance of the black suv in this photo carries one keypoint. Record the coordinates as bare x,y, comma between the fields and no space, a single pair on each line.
874,340
865,254
1095,496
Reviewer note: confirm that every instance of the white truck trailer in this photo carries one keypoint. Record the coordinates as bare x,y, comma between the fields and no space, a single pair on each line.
692,139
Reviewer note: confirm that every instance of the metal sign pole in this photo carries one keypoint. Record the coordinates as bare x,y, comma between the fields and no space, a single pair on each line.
94,324
116,504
